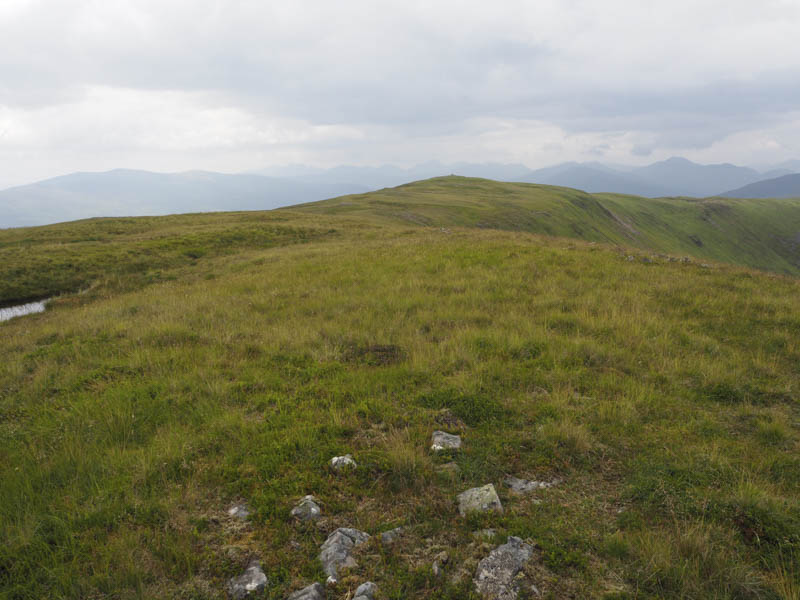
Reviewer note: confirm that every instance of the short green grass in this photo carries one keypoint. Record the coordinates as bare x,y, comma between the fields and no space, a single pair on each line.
663,394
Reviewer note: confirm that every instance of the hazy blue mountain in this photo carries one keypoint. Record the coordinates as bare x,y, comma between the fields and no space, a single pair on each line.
133,193
685,178
787,186
593,178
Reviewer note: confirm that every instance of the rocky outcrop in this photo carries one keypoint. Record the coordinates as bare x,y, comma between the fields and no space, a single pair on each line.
252,581
482,499
336,551
496,576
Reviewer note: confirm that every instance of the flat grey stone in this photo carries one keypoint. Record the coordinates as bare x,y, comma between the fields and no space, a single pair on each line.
496,576
313,592
526,486
366,591
389,537
307,509
343,463
445,441
253,580
239,511
336,551
482,499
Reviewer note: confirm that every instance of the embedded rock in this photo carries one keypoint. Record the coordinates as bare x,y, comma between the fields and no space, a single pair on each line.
389,537
482,499
343,463
445,441
525,486
239,511
496,576
307,509
366,591
439,562
313,592
336,551
253,580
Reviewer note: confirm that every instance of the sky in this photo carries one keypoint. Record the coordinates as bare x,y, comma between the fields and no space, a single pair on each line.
172,85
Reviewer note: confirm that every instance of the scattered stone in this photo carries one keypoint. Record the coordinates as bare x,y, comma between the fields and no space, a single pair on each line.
445,441
239,511
496,576
484,534
524,486
450,469
252,580
390,537
307,509
705,266
439,562
343,463
335,552
313,592
366,591
482,499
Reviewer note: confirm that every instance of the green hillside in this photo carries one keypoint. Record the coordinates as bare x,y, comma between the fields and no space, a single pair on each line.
763,234
198,361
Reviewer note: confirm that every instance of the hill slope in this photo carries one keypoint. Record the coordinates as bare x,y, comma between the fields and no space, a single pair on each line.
220,359
787,186
757,233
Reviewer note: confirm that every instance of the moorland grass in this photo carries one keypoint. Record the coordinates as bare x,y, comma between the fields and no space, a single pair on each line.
663,394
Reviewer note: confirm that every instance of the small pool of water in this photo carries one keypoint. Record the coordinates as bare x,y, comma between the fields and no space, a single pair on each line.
22,310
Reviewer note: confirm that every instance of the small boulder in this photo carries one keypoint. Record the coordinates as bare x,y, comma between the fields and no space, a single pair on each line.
315,591
336,551
307,509
239,511
496,576
439,562
482,499
445,441
366,591
253,580
390,537
343,463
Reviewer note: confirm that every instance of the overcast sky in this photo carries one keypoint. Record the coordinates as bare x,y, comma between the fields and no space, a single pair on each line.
234,85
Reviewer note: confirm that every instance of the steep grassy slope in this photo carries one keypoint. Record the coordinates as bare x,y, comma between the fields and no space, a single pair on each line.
664,395
758,233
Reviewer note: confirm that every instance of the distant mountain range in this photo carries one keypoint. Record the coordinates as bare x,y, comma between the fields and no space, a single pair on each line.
124,192
787,186
131,193
672,177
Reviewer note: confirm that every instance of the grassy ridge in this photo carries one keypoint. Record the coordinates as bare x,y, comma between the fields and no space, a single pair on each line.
664,394
126,253
762,234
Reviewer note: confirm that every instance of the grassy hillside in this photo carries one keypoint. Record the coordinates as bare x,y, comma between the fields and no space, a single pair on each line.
221,358
763,234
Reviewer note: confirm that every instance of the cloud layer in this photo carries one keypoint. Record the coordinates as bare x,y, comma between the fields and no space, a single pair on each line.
235,85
